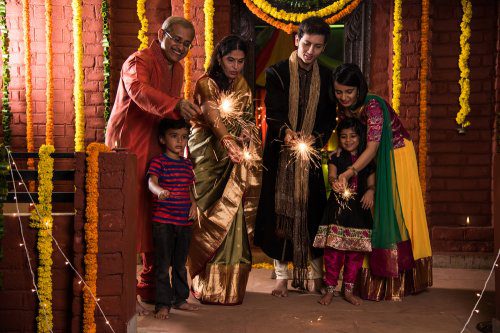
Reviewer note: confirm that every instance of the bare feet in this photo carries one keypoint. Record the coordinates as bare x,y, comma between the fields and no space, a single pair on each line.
281,288
140,310
352,299
187,307
162,313
326,299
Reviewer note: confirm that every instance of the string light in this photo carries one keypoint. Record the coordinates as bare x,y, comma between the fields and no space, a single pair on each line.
56,243
480,295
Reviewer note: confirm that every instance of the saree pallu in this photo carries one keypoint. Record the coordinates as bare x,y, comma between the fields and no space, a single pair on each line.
227,196
401,261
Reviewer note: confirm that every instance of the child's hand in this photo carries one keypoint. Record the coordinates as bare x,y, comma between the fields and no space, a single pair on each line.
367,199
163,195
193,212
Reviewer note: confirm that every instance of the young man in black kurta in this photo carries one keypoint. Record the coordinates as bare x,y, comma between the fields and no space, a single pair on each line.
282,91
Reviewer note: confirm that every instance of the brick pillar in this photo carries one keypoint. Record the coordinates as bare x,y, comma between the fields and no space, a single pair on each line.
116,258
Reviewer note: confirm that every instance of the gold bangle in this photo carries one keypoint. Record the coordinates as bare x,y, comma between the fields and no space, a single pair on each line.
353,170
225,137
371,187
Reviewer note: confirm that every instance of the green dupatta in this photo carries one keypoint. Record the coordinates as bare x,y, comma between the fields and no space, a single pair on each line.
388,222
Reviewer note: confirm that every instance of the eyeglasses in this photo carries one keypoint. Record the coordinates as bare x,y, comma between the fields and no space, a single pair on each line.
179,41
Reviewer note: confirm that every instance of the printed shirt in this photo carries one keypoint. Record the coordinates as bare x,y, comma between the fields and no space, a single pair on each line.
176,176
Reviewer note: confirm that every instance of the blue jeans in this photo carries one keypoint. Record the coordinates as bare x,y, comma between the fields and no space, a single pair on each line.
171,244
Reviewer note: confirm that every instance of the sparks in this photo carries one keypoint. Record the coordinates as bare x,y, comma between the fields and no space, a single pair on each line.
230,106
304,150
250,157
344,197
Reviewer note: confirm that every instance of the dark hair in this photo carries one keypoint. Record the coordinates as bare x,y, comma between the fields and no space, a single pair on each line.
358,128
167,123
351,75
224,47
314,26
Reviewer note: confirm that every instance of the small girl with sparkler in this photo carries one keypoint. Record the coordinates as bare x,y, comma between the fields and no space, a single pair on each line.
345,231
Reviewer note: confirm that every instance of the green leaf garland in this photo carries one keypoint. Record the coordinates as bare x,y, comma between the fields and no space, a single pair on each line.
6,114
106,61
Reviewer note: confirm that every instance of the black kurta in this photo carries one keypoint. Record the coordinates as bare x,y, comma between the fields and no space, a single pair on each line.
277,93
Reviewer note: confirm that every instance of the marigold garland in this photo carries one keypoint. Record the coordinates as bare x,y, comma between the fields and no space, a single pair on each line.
49,93
141,14
282,15
91,233
78,68
30,145
396,59
462,64
424,69
290,27
41,219
6,113
106,62
187,59
208,10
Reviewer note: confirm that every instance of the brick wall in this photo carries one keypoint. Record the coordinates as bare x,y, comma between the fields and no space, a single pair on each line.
116,260
18,307
459,168
62,40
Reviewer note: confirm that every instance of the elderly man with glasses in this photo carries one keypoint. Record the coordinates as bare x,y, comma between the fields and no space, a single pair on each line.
149,90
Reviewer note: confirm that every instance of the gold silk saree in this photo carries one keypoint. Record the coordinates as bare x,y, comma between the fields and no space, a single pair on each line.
227,196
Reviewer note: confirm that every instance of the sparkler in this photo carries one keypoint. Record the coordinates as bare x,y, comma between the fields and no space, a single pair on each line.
251,158
344,197
230,106
303,150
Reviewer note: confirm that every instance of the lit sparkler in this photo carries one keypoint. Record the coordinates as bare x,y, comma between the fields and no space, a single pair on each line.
251,158
230,106
344,197
302,149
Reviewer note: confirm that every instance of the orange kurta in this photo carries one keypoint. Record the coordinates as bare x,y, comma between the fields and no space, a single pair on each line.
148,91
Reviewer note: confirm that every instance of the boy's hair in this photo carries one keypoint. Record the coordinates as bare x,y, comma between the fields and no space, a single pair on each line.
166,124
358,128
314,26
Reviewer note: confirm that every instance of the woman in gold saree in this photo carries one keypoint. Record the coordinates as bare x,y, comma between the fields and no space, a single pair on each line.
225,151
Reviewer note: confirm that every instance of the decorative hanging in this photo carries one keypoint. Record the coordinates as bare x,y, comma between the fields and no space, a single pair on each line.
284,19
91,234
424,69
30,145
78,68
6,113
106,62
208,9
4,172
141,14
187,59
49,93
41,219
464,68
396,59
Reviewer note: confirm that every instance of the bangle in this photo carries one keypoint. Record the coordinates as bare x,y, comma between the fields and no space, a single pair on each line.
226,137
332,179
353,170
371,187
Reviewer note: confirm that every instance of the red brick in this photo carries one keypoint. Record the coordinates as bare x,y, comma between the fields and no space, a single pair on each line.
109,285
479,234
447,233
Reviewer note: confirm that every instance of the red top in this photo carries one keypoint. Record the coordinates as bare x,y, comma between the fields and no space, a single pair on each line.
148,91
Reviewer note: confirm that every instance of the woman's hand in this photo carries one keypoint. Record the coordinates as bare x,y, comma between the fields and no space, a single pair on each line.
344,178
193,212
337,186
368,199
163,195
233,149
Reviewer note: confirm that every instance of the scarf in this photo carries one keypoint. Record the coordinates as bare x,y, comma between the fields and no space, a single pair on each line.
292,188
